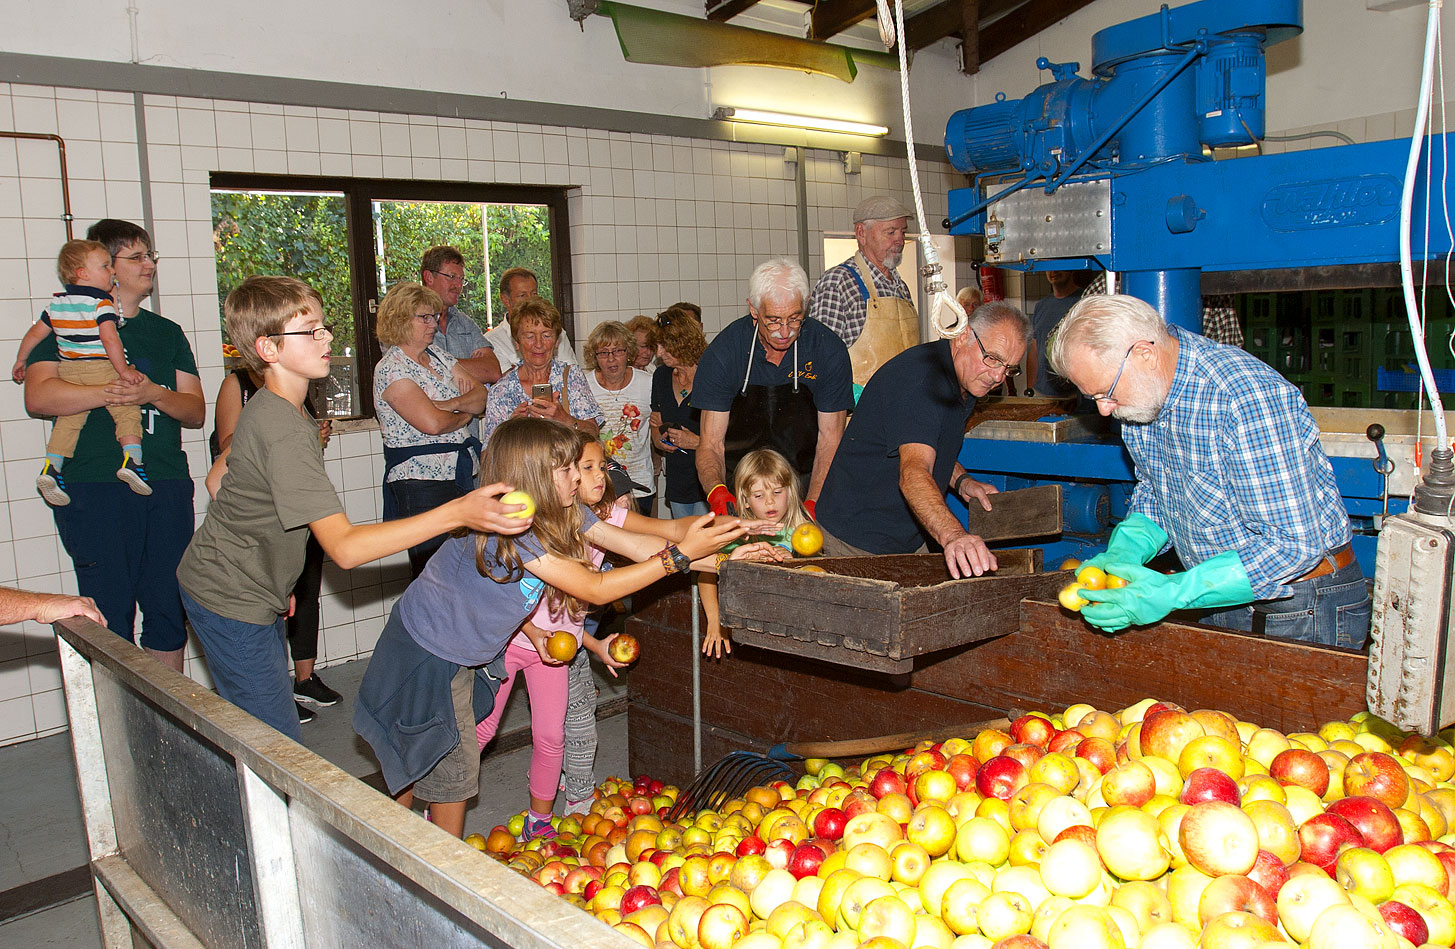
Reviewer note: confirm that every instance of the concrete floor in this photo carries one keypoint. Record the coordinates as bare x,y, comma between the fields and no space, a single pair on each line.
45,900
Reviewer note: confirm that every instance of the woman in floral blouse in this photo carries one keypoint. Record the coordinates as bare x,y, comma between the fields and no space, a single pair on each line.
424,402
535,325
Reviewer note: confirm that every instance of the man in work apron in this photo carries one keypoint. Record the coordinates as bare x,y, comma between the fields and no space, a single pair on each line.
772,379
863,300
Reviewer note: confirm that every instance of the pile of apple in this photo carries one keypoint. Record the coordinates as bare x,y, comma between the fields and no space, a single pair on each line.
1152,827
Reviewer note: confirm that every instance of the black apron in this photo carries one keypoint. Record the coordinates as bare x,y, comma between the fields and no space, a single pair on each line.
782,417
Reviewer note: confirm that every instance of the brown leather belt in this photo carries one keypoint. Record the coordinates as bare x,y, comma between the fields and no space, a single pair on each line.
1334,560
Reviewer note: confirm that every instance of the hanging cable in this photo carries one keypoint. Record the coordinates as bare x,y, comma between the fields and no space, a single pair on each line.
946,315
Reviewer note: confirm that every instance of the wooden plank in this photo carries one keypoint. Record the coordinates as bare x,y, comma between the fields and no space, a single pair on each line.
969,36
938,620
724,10
1056,659
834,16
1022,23
1017,515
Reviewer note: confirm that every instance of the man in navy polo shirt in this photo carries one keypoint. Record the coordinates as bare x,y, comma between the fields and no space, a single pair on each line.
885,493
772,379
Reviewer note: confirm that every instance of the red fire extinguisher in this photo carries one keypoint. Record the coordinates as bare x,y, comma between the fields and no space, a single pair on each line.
992,284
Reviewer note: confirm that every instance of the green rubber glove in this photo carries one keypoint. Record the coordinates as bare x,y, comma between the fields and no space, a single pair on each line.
1149,596
1137,539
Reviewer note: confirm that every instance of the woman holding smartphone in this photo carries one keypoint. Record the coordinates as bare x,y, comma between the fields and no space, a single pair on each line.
540,386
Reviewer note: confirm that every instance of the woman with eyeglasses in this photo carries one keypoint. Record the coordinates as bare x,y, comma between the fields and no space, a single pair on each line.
424,402
540,385
624,394
680,344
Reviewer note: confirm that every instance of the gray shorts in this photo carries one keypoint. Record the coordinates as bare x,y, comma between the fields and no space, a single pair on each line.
457,776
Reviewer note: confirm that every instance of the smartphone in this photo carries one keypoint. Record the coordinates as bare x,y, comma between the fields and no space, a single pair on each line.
541,390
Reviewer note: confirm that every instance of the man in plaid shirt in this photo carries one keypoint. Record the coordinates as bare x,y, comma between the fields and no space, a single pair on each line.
1229,473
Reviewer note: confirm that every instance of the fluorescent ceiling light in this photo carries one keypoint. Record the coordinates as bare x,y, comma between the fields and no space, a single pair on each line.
759,117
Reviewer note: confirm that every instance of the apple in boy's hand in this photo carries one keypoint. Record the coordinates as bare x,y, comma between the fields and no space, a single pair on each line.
519,497
624,649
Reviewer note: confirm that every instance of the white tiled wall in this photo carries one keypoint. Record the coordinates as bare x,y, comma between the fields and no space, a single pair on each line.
654,220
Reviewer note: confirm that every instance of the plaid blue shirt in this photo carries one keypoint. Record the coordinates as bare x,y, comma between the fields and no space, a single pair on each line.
1233,462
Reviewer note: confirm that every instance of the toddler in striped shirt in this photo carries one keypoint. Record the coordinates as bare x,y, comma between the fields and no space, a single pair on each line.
85,322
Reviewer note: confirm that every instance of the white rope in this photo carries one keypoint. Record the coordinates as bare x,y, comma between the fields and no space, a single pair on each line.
946,315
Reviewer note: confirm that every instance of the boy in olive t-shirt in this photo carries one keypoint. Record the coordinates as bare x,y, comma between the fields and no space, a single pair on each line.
248,553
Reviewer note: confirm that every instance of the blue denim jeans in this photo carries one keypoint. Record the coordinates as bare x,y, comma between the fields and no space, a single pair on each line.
1332,610
249,665
694,509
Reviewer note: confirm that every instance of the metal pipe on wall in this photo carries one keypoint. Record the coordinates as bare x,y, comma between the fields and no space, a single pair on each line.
65,179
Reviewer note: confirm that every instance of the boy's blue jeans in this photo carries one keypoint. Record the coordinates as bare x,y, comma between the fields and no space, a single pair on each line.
249,665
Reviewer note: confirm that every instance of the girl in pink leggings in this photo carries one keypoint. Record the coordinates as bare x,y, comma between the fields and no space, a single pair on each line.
547,680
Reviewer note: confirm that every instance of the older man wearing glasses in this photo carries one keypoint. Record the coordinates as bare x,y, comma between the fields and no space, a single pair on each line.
1230,475
772,379
442,269
885,493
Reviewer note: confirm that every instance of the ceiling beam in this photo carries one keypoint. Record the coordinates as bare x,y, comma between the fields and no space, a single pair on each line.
1024,22
724,10
952,18
831,17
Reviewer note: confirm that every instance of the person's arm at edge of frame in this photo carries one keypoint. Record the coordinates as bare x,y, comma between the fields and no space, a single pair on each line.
830,433
17,606
711,455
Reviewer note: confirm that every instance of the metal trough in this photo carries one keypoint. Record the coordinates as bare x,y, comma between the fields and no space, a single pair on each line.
208,828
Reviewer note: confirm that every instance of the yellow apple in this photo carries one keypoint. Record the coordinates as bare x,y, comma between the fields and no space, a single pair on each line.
1071,868
1184,890
1058,814
1145,901
1004,914
887,916
960,904
982,838
1085,927
1303,898
1132,845
1434,908
938,880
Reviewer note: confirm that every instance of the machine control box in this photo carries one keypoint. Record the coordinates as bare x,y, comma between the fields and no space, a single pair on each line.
1409,669
1075,221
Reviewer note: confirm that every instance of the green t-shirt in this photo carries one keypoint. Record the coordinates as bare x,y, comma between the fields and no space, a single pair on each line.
248,553
159,350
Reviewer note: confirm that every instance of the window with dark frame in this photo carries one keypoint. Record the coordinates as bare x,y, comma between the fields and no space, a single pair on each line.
354,238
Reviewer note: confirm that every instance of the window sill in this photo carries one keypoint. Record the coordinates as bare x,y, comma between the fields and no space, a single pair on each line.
347,426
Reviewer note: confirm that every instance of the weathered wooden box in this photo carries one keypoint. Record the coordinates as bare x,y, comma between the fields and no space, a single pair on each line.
878,613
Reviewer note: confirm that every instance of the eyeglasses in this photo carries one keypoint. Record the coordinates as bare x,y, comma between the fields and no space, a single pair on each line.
319,333
1107,396
453,278
428,317
610,352
993,361
151,255
773,322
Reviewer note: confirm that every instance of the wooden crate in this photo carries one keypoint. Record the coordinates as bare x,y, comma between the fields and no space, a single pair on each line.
878,613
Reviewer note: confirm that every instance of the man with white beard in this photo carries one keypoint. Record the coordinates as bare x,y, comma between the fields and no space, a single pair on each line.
771,379
1230,474
864,300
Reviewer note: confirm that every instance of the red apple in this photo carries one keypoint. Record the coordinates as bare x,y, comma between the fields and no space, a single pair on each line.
1166,733
625,649
1301,767
1099,752
1032,730
887,781
1024,753
1066,741
1323,837
829,823
858,801
1375,822
1405,920
1377,775
805,860
1001,777
1233,893
1210,784
751,844
1269,872
1019,941
962,768
671,882
637,897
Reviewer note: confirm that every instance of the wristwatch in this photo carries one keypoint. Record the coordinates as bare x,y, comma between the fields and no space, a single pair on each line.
679,562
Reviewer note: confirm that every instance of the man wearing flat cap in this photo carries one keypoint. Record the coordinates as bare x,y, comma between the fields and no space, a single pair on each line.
863,300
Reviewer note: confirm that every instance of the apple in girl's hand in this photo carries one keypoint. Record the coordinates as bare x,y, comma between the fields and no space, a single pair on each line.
624,649
561,646
519,497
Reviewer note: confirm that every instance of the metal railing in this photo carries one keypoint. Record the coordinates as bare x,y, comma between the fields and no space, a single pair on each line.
208,828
